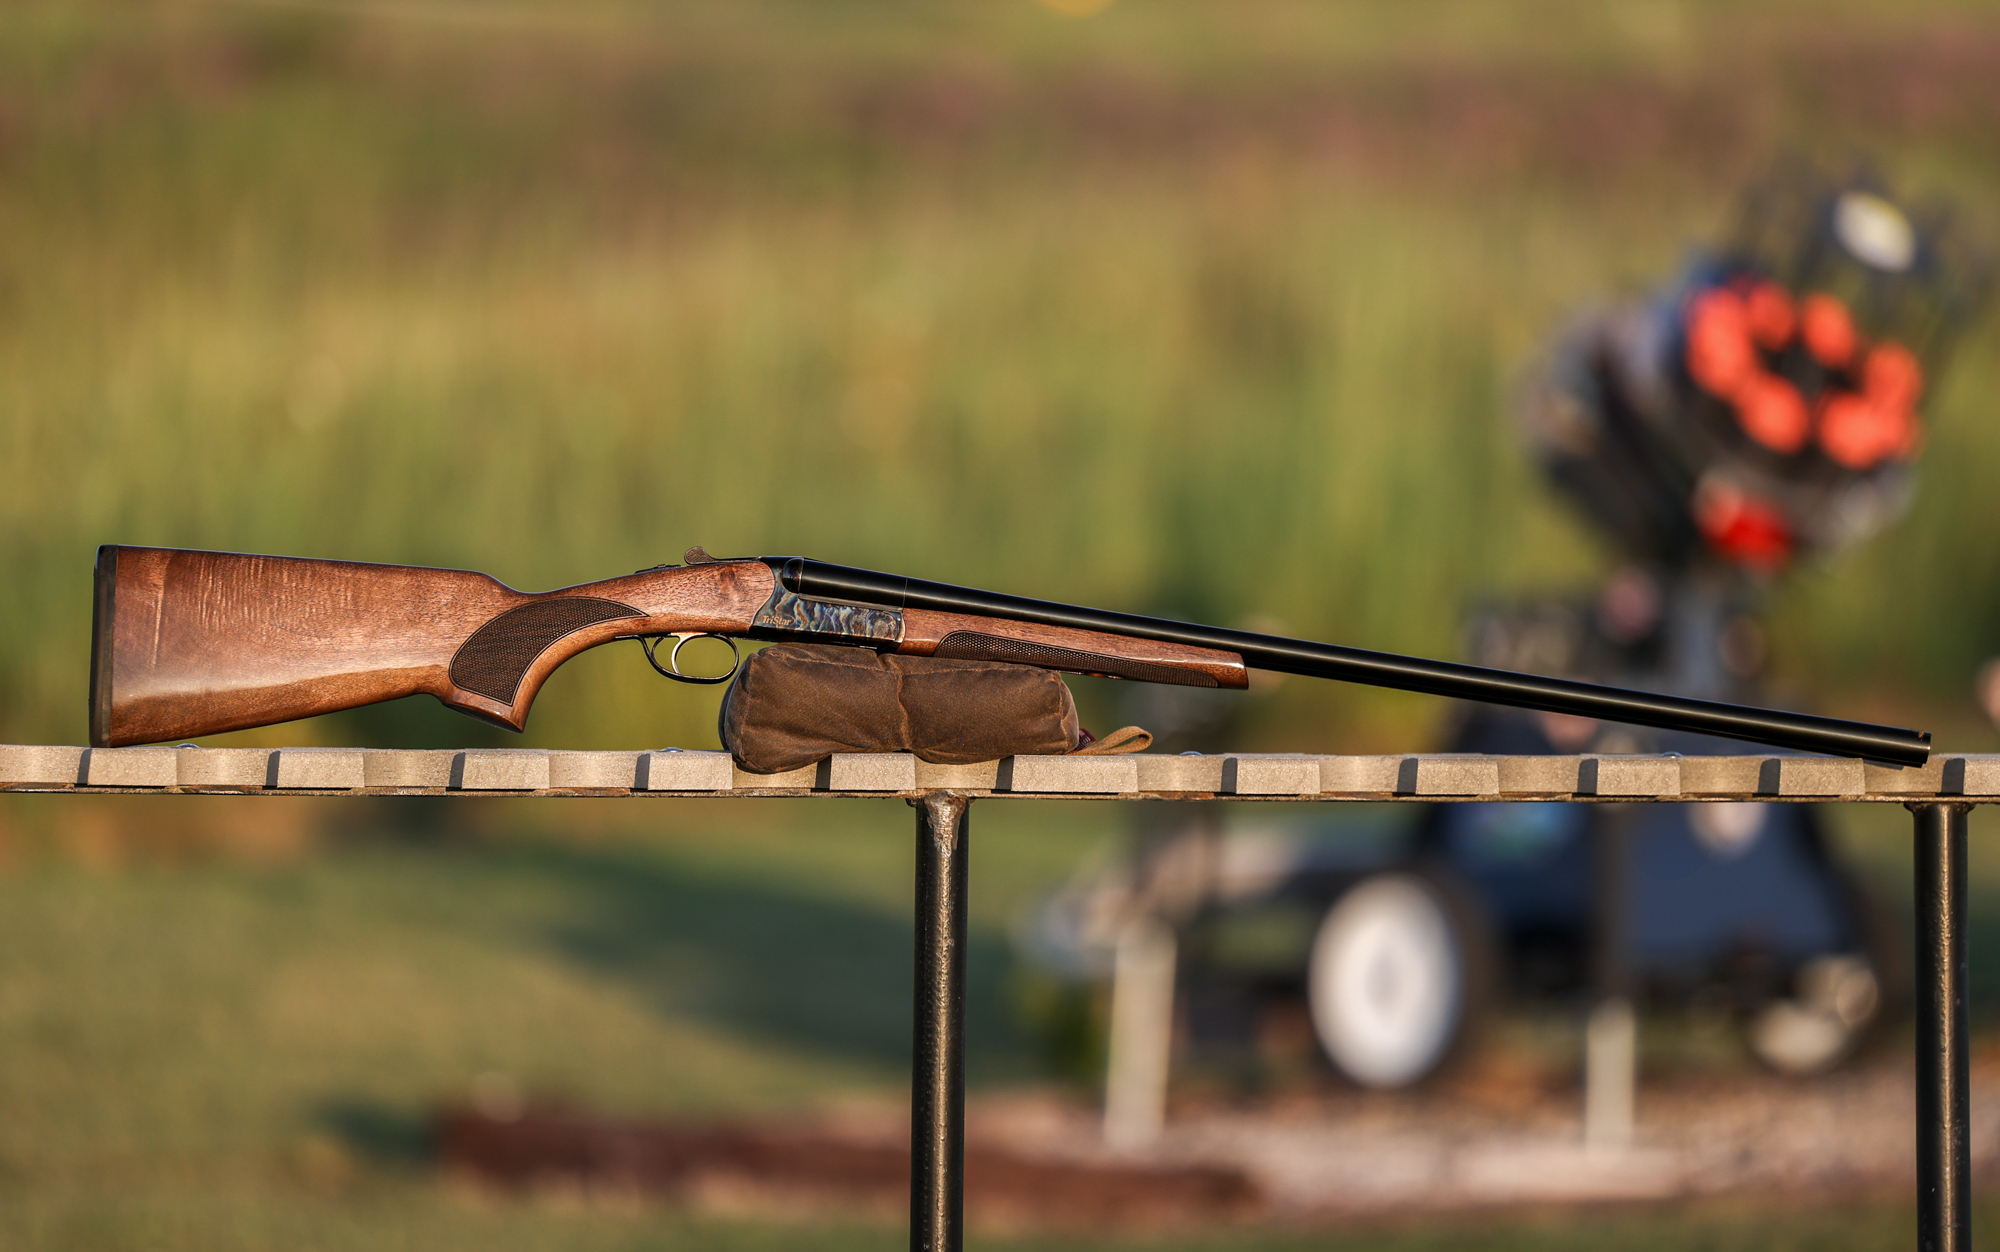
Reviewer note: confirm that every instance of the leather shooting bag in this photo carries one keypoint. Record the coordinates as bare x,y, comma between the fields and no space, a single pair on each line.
793,705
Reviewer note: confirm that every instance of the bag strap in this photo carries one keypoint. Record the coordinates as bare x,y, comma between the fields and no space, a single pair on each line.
1119,742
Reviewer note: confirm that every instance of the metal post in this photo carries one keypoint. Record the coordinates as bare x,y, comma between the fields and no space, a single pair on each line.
1142,1031
1944,1111
937,1052
1611,1061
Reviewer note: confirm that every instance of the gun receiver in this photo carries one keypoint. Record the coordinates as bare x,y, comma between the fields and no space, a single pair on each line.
186,643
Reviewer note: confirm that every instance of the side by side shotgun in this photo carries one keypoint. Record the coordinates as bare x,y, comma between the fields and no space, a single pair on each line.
188,643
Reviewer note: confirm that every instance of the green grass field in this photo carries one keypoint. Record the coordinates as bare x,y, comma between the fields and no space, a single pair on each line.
1161,309
205,1049
1212,310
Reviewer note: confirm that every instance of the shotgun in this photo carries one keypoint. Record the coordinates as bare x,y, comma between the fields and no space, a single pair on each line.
186,643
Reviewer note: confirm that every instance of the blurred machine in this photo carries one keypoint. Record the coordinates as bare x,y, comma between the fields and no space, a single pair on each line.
1762,409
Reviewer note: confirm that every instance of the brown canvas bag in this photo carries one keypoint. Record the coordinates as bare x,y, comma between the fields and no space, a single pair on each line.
795,704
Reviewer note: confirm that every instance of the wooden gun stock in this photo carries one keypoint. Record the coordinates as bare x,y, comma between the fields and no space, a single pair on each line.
186,644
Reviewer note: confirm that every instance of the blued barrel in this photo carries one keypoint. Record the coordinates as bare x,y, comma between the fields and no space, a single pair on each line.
1798,731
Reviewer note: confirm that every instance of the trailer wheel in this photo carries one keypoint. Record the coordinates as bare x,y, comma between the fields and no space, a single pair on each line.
1398,974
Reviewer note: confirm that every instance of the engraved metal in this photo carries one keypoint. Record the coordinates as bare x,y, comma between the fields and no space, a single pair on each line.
672,669
788,615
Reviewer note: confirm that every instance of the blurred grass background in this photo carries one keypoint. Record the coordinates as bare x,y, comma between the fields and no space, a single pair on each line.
1211,310
1175,308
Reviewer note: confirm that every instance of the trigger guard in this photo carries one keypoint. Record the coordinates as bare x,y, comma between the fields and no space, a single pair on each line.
672,669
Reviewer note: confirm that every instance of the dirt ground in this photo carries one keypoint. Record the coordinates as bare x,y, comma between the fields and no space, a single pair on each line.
1847,1133
1483,1142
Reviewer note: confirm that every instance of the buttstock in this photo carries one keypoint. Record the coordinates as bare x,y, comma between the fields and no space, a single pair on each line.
970,638
186,644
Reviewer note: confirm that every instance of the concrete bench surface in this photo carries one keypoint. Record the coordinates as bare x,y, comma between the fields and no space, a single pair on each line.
534,771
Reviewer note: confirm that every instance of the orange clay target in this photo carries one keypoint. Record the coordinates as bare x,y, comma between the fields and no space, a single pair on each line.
1863,416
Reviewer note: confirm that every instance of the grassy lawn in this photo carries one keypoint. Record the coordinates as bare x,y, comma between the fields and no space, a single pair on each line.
208,1049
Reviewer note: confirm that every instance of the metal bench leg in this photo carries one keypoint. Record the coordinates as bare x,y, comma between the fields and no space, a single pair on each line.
1611,1034
937,1053
1944,1149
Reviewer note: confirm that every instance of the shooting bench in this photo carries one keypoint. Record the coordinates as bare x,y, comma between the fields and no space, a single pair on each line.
1940,795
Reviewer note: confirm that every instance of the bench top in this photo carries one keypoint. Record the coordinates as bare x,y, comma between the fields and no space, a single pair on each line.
1244,776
